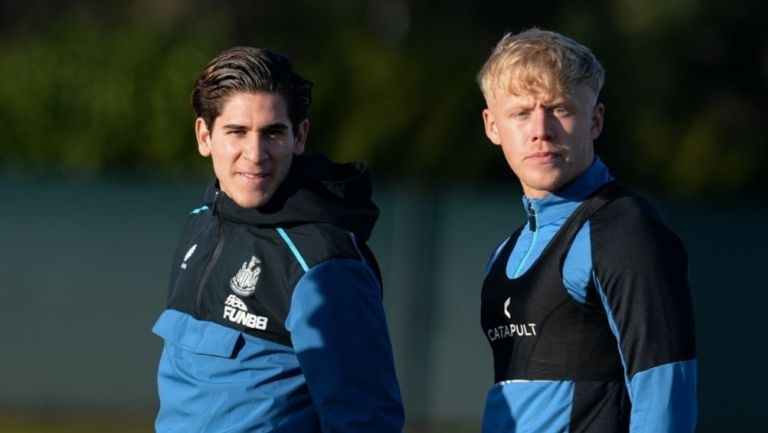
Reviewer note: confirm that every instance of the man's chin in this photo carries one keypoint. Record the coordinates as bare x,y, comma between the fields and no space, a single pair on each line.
251,200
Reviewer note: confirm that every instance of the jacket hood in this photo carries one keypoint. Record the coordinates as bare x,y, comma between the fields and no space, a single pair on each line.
315,190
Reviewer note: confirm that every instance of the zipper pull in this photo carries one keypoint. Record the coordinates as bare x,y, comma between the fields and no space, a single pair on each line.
531,217
215,204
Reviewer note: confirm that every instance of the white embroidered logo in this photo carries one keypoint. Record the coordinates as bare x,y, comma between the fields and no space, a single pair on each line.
236,311
187,256
244,282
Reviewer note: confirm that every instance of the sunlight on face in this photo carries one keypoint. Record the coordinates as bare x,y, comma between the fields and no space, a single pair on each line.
252,145
547,141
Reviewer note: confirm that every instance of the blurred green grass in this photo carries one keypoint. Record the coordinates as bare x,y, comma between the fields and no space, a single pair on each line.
74,423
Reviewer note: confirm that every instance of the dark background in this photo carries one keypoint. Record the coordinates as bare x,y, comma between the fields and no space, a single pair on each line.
101,87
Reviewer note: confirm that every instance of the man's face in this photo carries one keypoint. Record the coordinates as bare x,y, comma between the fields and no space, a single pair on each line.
547,141
252,146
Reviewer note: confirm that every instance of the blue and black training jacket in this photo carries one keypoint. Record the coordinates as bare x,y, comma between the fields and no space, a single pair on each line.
274,319
588,311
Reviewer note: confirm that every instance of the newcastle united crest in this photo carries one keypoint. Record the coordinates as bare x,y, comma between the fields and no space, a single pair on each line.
244,283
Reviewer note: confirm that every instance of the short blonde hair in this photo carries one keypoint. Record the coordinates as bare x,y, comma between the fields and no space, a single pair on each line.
539,62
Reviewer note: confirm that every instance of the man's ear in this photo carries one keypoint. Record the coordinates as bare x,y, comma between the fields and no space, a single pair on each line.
203,135
301,137
598,117
491,128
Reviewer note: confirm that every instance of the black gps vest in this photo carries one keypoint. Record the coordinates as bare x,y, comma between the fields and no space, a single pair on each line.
537,331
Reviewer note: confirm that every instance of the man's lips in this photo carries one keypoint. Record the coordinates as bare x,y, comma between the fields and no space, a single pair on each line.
253,176
542,156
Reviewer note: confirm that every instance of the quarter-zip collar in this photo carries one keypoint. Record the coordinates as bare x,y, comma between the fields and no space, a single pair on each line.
559,204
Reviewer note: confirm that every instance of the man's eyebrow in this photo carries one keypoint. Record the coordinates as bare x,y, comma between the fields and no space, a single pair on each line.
277,126
234,127
559,102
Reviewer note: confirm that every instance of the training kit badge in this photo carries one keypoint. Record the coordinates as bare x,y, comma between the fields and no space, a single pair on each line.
244,283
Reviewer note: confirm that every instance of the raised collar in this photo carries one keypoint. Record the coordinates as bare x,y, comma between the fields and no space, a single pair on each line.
561,203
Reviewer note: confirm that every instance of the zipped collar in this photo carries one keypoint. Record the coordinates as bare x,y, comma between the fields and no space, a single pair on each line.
561,203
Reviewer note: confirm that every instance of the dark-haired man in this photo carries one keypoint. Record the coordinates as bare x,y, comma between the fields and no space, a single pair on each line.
274,321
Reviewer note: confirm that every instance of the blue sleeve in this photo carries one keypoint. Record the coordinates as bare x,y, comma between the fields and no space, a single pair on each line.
641,275
663,396
340,335
661,399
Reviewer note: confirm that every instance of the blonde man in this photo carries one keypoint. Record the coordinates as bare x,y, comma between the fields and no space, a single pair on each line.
587,306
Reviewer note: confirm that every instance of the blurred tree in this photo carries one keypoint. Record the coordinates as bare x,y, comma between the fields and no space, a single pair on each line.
91,93
89,87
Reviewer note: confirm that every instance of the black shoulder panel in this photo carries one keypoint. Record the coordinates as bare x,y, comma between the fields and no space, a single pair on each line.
243,277
642,268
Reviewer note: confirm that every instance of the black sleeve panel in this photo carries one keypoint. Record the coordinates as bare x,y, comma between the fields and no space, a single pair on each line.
642,267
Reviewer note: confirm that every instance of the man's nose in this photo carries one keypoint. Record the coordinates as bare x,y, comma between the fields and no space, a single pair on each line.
542,122
253,149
